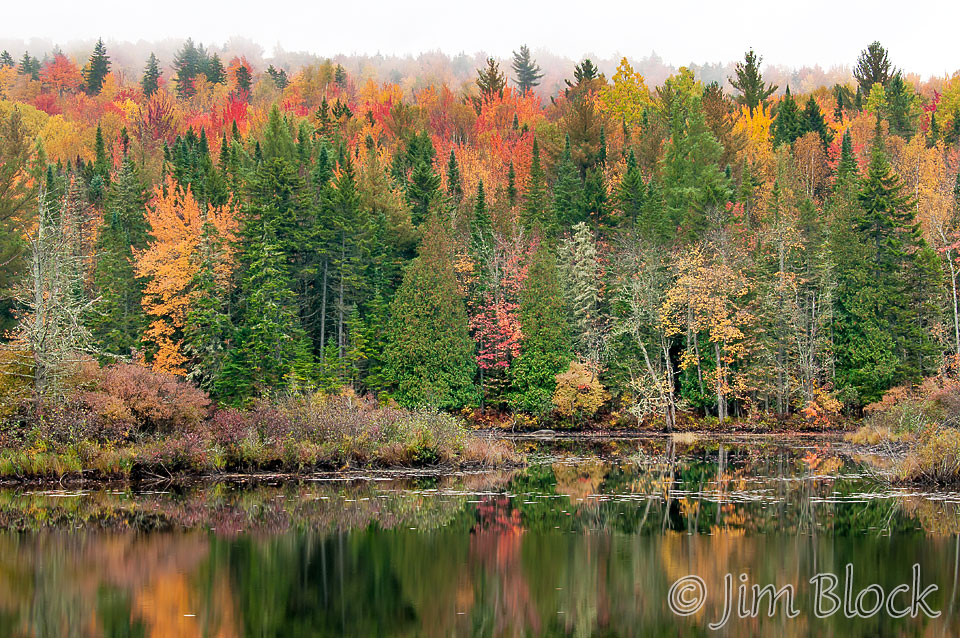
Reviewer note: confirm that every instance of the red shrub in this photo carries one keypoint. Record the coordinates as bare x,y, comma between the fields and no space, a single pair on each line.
140,400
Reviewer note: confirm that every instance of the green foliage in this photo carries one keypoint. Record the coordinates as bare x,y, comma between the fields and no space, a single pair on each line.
97,68
749,81
429,355
545,350
527,71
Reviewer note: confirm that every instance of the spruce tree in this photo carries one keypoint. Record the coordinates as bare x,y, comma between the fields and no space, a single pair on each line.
454,186
631,191
567,191
545,350
749,81
214,71
6,60
536,212
814,121
97,68
150,81
789,124
429,357
423,191
527,73
511,185
119,320
29,66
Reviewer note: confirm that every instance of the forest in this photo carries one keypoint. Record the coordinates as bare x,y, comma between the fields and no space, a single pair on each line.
612,252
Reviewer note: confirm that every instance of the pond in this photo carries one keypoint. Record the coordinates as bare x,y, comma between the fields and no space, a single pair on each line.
589,540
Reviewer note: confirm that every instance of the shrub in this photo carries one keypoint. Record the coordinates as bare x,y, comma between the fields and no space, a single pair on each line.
134,399
935,458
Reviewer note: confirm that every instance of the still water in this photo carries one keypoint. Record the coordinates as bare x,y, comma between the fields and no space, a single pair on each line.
586,541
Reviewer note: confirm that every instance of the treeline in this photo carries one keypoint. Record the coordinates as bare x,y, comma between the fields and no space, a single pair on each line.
691,248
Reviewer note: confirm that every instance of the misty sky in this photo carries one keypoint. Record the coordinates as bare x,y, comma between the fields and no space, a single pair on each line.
921,37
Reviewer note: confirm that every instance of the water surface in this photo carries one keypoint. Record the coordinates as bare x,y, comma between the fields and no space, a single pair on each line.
587,541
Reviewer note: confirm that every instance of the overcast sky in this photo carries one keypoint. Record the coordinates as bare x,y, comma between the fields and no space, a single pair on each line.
921,37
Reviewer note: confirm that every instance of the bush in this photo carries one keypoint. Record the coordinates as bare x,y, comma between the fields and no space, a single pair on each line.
935,458
133,399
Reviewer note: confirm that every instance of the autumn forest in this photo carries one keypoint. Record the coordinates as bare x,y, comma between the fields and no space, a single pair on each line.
611,251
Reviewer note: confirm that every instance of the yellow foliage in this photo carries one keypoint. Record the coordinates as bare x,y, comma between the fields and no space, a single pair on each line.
627,97
579,392
169,264
755,128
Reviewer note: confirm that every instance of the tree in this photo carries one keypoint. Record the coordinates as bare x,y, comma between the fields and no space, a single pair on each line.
215,72
29,66
491,81
6,60
272,351
454,185
902,109
190,61
627,97
749,81
545,348
120,320
97,68
535,212
62,75
566,190
423,191
429,357
279,77
151,76
873,67
19,176
814,122
580,274
169,266
789,122
53,326
527,71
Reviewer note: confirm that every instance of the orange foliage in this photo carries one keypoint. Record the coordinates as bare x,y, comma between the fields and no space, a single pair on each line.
170,265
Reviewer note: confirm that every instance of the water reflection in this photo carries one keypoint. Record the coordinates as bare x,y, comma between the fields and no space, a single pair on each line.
574,545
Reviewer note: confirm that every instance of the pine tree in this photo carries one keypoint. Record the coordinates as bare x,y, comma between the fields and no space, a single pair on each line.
527,72
901,110
545,350
511,186
150,81
6,60
580,268
873,66
243,81
120,321
190,61
97,68
279,77
429,357
749,81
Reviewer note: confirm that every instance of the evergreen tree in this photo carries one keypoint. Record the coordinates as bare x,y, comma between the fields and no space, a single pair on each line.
815,123
567,191
847,166
511,185
883,310
535,212
6,60
749,81
214,70
243,81
119,320
789,124
151,76
279,77
272,352
429,358
29,66
527,73
97,68
545,350
873,66
423,191
190,61
631,191
454,186
901,109
490,81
